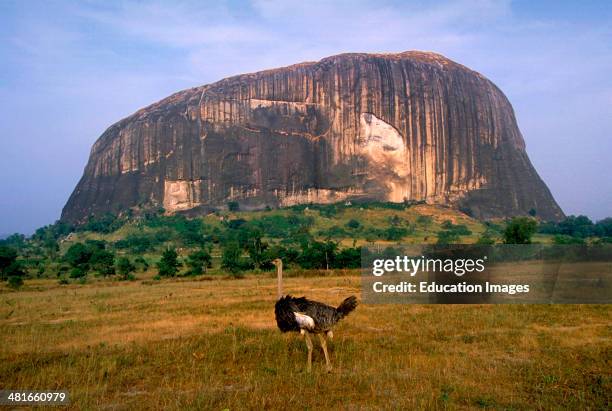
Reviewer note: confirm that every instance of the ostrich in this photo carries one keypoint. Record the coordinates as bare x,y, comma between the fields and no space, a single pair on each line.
309,317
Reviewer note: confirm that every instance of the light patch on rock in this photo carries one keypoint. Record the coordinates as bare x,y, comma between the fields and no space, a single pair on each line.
181,194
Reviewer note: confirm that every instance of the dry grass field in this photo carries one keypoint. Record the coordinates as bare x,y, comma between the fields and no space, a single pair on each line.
213,344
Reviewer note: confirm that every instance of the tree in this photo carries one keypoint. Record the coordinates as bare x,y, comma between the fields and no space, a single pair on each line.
353,224
141,263
125,267
77,272
317,254
169,265
102,261
78,255
198,262
251,240
394,233
15,281
520,230
8,257
447,237
604,227
485,239
231,258
10,268
348,258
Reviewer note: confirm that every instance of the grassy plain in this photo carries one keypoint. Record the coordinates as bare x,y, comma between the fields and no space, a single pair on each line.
212,343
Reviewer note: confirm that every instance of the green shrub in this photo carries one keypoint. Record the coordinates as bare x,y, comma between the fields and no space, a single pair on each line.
169,265
353,224
567,239
318,254
141,264
348,258
198,262
447,237
232,260
125,268
106,223
9,266
486,238
520,230
103,262
424,220
77,272
15,281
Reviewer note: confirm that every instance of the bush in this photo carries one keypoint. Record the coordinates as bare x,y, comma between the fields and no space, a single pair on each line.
77,255
169,265
233,206
106,223
232,259
141,264
577,226
447,237
567,239
316,254
90,256
198,262
459,229
103,262
486,239
353,224
15,281
125,268
141,242
520,230
9,266
395,233
78,272
348,258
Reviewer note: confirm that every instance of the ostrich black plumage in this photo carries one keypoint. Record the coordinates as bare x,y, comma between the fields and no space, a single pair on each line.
309,317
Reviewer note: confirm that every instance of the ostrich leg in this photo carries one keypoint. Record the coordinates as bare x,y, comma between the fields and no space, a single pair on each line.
309,345
324,345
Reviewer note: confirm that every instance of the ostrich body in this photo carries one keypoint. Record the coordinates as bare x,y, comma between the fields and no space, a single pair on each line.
309,317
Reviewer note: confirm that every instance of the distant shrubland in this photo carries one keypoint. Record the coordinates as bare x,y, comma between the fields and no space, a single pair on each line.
307,236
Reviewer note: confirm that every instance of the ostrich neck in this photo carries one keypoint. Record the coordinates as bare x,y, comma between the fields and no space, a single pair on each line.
279,276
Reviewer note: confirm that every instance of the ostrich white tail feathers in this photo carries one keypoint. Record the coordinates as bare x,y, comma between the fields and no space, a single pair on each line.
305,322
346,306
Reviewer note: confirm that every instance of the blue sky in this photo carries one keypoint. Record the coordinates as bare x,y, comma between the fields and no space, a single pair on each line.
70,69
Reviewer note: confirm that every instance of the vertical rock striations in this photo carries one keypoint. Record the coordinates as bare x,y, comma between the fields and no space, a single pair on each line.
411,125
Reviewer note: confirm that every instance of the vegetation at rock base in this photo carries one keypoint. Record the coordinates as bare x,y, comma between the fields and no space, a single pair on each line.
305,236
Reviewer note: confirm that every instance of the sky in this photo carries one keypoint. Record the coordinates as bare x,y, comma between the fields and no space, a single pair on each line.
70,69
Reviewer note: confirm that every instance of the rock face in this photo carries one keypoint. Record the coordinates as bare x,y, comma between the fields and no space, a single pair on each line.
411,125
